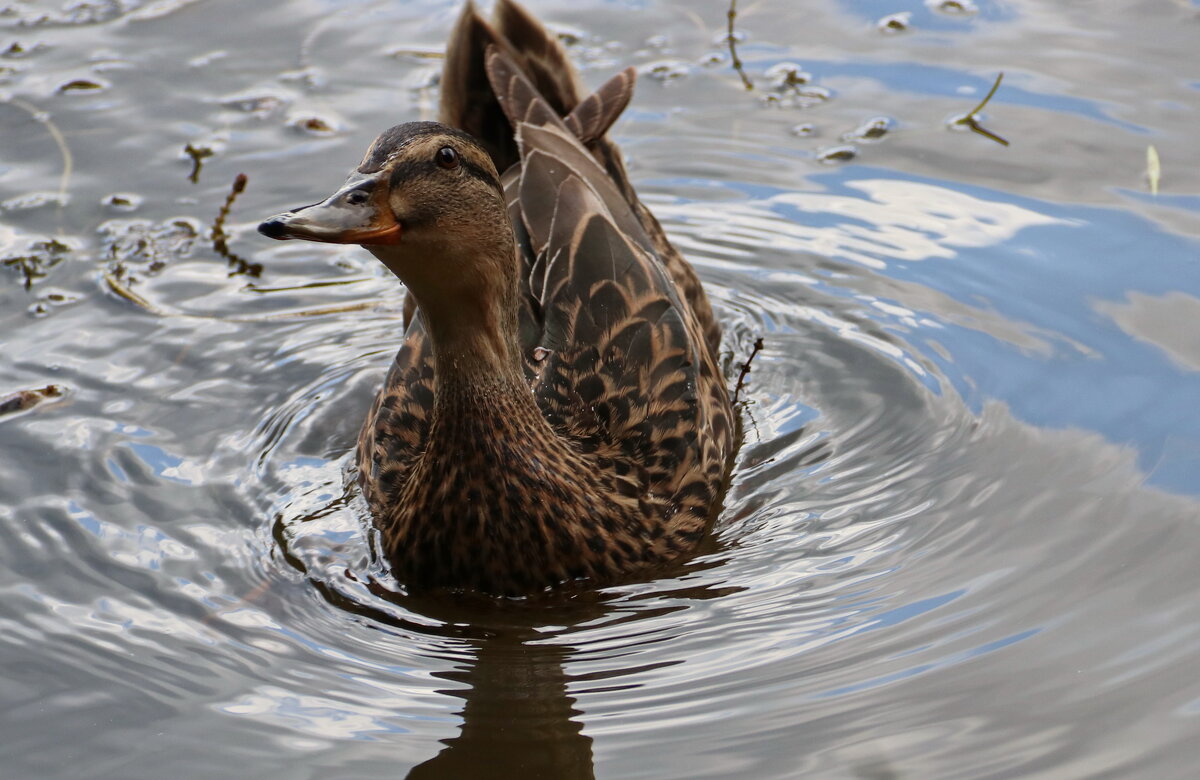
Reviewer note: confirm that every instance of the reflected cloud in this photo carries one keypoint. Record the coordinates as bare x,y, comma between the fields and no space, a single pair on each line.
1160,322
898,220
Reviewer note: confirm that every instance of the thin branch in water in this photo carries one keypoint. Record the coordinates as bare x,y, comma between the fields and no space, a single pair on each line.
745,369
733,55
68,160
221,241
971,120
198,154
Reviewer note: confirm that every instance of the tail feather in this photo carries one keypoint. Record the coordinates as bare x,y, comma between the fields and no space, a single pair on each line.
592,117
539,55
518,97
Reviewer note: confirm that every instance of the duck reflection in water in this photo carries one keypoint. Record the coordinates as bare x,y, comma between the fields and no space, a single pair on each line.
518,720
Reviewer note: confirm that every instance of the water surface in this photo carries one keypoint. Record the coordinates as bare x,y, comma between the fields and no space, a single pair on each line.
962,535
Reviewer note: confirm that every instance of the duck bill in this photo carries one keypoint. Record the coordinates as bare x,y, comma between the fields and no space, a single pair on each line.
358,213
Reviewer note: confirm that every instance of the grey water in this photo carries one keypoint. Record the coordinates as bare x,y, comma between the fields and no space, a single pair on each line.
963,533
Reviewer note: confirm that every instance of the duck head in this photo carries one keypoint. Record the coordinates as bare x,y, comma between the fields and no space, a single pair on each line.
424,199
427,202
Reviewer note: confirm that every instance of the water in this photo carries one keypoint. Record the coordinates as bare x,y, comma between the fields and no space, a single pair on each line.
961,539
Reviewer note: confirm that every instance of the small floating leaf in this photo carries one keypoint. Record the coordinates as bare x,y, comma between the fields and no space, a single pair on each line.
80,85
894,23
837,154
873,129
954,7
1153,168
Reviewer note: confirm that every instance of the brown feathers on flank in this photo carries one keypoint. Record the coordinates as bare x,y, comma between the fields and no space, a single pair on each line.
556,412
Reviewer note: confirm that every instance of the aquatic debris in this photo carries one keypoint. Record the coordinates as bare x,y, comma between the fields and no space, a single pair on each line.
894,23
1153,168
953,7
804,130
142,244
313,125
36,259
68,161
745,368
81,85
50,300
837,154
971,118
220,240
197,154
871,131
123,201
787,75
791,87
24,400
666,71
731,38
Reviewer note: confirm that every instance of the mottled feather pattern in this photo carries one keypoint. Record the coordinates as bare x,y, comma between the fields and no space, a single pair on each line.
618,344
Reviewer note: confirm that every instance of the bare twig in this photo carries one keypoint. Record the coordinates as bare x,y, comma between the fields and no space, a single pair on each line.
197,153
745,369
971,120
68,161
737,63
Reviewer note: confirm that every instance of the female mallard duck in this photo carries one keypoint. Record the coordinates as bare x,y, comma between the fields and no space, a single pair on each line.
556,411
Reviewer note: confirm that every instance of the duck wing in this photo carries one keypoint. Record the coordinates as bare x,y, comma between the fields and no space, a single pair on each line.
624,368
469,102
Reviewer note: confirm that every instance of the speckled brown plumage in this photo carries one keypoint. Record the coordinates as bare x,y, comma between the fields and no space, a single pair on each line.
585,432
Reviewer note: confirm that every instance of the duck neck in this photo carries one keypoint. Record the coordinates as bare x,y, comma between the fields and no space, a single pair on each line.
474,336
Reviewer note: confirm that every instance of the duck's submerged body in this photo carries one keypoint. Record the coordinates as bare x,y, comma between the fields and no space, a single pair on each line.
556,411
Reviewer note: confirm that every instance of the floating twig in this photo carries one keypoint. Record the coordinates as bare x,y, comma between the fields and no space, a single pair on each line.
221,241
971,120
23,400
733,55
68,161
745,368
198,155
42,256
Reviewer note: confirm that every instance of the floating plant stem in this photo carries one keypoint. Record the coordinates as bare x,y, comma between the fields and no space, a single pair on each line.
68,160
737,63
745,368
221,241
197,153
971,120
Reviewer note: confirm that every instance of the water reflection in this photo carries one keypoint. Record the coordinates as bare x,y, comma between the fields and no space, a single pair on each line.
518,720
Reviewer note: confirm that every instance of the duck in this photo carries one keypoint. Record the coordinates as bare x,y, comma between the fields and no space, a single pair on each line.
556,416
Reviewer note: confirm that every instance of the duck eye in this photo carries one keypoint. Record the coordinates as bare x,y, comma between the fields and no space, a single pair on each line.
447,157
